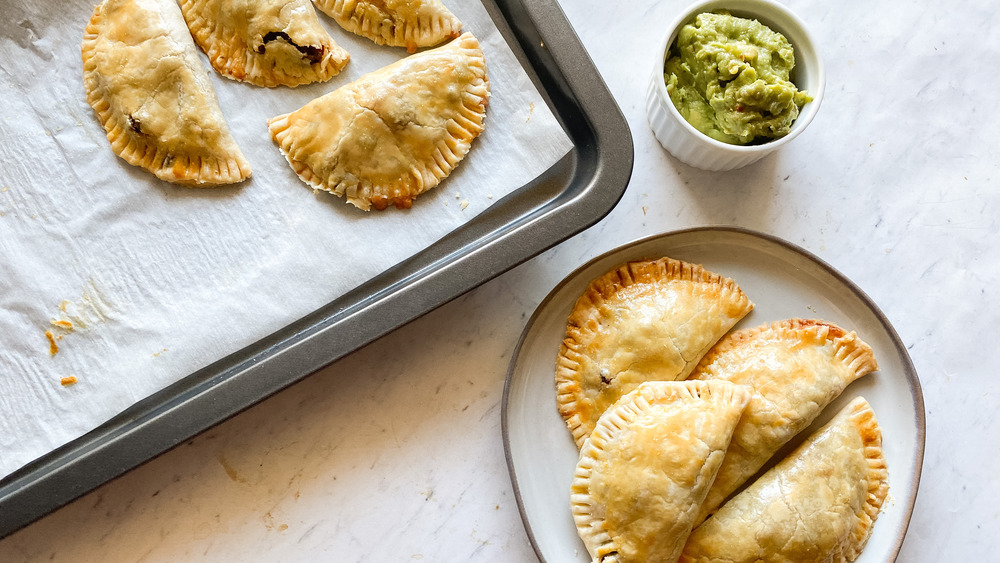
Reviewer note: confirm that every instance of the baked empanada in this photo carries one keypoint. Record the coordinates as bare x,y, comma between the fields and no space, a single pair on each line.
264,42
645,320
795,368
392,134
153,97
646,468
399,23
816,505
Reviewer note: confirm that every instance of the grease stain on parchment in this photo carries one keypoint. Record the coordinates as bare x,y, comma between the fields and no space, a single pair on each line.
90,309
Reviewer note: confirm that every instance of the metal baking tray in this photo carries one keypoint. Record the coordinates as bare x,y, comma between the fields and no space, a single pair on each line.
572,195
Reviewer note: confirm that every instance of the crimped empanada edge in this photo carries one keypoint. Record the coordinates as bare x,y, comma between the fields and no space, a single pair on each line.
863,417
239,62
427,33
462,130
618,417
855,353
184,169
604,288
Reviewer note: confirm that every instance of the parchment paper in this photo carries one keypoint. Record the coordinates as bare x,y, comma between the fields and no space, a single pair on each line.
140,282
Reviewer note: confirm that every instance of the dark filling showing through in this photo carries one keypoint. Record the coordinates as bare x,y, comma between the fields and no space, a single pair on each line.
312,54
133,123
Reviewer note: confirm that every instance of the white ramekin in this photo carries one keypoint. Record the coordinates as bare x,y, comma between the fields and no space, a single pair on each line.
695,148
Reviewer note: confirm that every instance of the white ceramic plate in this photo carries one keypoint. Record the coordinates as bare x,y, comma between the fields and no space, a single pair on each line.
783,281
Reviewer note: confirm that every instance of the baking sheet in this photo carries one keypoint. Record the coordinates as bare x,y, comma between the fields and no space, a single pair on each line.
157,281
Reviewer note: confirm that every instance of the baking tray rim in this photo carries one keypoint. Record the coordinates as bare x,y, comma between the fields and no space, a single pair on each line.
594,177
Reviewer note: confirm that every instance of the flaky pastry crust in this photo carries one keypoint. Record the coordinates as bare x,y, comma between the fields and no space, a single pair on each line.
392,134
264,42
145,82
817,505
795,367
398,23
645,320
646,468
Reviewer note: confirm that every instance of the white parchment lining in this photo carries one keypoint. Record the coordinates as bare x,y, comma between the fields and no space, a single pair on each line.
158,281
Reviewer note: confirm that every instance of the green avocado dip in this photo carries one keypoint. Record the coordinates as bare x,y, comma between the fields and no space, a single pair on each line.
728,77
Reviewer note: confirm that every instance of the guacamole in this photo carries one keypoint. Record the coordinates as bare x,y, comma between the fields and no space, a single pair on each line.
728,77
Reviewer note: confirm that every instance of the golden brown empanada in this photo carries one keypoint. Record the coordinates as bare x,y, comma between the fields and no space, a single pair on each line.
817,505
646,468
795,368
264,42
645,320
399,23
392,134
153,97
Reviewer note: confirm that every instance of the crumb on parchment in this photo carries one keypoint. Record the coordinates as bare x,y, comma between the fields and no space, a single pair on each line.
59,325
68,380
53,347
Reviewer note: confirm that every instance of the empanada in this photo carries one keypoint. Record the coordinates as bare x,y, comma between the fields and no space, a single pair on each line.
795,368
646,468
399,23
264,42
645,320
816,505
392,134
154,98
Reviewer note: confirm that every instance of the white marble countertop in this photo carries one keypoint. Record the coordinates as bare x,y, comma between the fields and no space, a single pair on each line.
394,453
